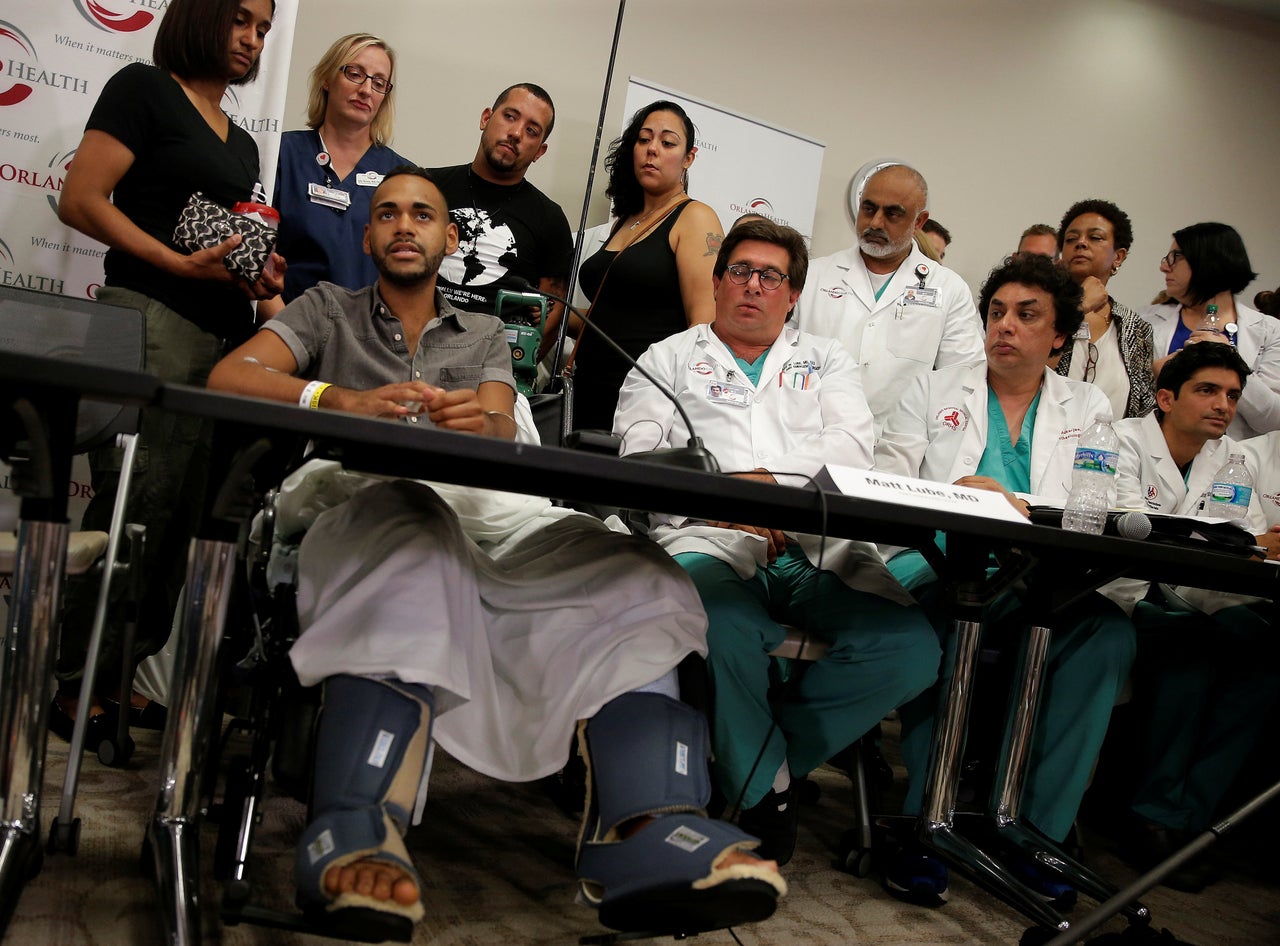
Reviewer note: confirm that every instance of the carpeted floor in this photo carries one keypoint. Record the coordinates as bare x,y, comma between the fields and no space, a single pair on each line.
496,861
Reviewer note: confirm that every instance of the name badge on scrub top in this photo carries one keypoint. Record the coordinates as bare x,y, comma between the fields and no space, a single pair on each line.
328,196
735,395
368,179
920,295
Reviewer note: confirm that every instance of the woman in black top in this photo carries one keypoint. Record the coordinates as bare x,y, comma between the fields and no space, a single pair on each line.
662,284
155,136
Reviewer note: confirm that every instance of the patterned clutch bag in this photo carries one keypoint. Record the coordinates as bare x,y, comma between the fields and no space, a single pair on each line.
204,224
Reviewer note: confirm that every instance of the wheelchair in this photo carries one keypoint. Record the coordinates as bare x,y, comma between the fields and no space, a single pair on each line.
265,748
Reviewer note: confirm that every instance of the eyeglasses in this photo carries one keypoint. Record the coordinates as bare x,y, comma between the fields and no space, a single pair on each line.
1091,365
740,273
1170,259
357,75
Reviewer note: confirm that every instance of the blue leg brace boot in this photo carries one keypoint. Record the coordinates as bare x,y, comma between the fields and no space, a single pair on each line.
370,753
647,758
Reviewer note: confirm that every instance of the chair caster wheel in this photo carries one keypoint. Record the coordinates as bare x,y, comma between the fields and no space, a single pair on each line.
857,862
113,754
64,837
855,858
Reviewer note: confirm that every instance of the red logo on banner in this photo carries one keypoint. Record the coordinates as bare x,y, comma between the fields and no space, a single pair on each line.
11,35
104,19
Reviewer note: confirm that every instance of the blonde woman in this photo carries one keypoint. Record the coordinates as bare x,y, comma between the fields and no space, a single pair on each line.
327,172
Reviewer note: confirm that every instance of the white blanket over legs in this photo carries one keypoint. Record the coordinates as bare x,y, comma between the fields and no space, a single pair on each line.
544,621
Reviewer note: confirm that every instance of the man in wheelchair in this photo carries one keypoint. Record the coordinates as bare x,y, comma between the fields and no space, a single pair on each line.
493,623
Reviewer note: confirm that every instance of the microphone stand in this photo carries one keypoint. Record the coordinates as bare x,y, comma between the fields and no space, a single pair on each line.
694,455
582,224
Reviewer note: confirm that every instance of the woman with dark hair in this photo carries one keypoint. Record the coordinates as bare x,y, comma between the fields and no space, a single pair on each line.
156,135
1207,265
327,174
1113,347
661,284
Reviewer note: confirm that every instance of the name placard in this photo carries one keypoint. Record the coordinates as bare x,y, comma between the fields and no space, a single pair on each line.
921,494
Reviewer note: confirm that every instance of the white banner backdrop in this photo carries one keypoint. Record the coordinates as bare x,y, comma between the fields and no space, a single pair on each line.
55,57
743,165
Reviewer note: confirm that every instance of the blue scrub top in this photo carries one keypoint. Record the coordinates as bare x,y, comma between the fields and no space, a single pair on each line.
319,242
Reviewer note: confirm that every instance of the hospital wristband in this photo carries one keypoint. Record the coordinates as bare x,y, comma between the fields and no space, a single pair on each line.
311,394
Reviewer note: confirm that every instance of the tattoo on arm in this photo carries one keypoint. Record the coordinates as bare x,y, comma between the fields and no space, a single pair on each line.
713,243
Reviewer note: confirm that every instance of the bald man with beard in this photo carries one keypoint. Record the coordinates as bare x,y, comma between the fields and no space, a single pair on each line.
898,312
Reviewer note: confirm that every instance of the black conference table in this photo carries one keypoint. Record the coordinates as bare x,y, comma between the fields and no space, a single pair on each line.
255,439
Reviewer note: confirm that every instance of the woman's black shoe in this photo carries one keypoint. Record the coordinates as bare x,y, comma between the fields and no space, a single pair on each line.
61,723
775,821
151,715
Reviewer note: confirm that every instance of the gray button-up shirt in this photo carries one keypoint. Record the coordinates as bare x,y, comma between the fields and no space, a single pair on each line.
351,338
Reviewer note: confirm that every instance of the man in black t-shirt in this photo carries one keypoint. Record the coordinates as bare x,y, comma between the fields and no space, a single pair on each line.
506,227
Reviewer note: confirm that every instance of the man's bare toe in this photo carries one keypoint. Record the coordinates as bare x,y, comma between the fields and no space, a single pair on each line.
371,878
734,858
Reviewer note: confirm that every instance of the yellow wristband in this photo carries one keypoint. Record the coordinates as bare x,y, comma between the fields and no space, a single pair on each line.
311,394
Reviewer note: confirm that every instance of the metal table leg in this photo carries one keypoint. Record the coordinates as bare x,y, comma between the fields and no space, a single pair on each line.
937,828
1010,782
173,836
24,701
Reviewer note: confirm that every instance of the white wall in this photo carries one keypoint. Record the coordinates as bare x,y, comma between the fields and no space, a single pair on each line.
1012,110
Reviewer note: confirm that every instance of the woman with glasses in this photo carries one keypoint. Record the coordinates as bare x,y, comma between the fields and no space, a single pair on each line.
1207,265
1113,347
328,172
652,278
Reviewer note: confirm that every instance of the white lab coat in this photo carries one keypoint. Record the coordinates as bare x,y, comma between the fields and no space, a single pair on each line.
893,340
1147,478
1262,457
938,430
807,411
1258,343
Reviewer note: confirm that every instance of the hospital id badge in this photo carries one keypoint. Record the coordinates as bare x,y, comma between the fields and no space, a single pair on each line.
921,295
735,395
328,196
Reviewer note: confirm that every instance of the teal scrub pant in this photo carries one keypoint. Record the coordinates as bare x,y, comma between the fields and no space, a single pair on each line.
881,654
1204,686
1091,650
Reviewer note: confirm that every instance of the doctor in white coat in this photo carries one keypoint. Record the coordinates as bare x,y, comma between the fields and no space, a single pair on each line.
898,312
1204,683
776,404
1262,457
1207,265
1012,426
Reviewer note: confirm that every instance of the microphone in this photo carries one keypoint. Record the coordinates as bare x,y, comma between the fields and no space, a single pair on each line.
694,455
1133,525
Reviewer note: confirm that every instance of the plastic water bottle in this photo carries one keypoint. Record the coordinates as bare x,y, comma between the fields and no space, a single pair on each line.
1092,474
1212,322
1232,488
